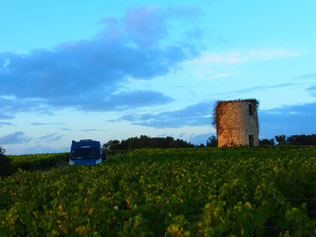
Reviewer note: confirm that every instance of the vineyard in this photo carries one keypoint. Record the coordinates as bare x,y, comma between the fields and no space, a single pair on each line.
38,161
168,192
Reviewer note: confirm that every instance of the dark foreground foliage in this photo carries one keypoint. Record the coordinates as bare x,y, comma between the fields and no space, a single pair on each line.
168,192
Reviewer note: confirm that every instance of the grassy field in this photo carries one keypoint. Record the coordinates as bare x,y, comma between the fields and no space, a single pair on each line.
172,192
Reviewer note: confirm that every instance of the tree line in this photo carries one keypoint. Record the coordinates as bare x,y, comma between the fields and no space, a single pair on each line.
146,142
169,142
296,139
303,139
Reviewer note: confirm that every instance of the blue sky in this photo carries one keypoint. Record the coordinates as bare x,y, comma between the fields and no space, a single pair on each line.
71,69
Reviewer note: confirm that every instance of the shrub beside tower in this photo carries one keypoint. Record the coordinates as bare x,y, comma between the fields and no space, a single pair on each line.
237,123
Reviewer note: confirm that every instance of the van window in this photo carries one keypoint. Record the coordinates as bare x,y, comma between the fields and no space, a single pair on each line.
85,153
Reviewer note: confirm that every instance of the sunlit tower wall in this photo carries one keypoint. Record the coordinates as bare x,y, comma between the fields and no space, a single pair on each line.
237,123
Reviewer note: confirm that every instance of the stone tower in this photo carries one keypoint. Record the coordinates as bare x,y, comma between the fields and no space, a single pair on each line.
237,123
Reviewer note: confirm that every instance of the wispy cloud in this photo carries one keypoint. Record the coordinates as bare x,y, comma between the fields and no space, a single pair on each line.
53,137
146,25
288,120
193,115
91,130
218,65
312,90
14,138
11,105
238,56
46,124
5,124
307,76
271,54
5,115
261,88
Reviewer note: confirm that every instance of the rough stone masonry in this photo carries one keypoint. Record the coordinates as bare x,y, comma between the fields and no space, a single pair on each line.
237,123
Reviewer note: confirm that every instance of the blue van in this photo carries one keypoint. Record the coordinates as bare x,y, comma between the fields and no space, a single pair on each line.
85,152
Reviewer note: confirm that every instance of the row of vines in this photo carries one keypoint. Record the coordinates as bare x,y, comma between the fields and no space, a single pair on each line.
168,192
33,162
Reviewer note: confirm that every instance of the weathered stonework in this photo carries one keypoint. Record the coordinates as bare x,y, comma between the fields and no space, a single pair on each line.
237,123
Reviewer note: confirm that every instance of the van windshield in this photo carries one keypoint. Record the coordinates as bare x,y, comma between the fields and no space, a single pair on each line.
85,153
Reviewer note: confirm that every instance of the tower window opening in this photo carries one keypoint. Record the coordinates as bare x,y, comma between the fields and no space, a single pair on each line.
251,140
250,110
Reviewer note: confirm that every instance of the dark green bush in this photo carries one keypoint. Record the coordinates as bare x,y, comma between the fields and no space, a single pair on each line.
5,164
